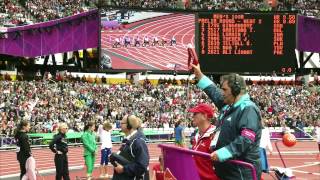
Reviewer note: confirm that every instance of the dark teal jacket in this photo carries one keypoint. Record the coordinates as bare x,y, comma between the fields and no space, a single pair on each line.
240,132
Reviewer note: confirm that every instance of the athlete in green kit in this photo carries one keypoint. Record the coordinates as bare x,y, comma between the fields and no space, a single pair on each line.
90,147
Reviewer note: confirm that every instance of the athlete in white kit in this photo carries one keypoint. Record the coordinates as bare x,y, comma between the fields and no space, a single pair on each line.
105,131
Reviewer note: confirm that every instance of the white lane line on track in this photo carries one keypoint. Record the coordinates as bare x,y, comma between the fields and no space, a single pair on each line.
305,172
298,171
296,158
151,56
163,53
180,48
306,165
145,29
51,170
50,162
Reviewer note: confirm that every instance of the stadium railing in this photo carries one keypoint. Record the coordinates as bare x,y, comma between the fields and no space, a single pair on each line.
153,135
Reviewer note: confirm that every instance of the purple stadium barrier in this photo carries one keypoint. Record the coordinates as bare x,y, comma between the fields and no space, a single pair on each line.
308,34
297,134
182,165
72,33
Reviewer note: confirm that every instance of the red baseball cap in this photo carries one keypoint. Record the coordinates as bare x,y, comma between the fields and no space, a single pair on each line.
203,108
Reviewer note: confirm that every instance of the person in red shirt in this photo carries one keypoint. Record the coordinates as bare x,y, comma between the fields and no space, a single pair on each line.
202,113
158,170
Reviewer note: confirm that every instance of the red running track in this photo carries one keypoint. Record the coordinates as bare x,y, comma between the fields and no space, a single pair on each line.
301,159
181,26
45,158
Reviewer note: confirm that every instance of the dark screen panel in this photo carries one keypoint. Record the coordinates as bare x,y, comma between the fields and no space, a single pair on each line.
247,42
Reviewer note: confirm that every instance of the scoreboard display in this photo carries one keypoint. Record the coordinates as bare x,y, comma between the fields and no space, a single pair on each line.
247,42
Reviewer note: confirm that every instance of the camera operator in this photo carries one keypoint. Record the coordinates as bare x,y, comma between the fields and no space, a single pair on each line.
134,149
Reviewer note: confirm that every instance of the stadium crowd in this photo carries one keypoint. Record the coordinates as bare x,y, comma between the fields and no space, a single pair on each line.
11,13
28,11
75,101
305,7
45,10
24,12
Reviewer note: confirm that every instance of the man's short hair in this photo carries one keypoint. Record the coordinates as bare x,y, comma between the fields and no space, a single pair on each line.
235,82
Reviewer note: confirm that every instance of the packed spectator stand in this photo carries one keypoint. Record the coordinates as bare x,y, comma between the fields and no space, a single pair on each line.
22,12
304,7
75,100
12,14
45,10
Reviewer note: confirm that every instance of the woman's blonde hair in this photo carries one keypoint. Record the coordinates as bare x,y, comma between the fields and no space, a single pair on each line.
62,126
134,121
107,126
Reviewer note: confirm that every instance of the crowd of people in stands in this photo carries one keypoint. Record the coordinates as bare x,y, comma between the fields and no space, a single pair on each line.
45,10
306,7
296,105
27,11
23,12
11,13
75,101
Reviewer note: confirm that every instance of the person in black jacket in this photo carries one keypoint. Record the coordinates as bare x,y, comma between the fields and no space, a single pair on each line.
23,147
238,129
60,147
134,149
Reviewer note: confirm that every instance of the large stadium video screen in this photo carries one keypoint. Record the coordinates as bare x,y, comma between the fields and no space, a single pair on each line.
137,40
247,42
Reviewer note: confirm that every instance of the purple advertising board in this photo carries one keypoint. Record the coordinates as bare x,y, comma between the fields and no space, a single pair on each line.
72,33
180,162
308,34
